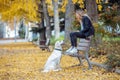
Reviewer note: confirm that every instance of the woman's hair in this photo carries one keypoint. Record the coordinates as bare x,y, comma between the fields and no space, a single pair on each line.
80,12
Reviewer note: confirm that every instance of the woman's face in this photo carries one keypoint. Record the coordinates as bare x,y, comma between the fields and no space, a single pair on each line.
78,16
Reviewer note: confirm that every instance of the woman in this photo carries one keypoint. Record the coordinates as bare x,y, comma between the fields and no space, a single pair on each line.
87,30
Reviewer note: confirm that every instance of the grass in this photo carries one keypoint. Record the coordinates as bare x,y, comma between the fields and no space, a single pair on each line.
111,39
53,40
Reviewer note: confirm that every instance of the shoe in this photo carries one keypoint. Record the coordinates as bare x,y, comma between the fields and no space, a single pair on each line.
69,49
73,51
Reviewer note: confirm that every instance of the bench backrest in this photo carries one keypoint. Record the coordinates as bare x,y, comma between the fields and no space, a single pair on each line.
84,44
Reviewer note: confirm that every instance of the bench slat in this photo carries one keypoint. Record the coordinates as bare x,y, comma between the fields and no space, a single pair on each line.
83,48
83,44
84,41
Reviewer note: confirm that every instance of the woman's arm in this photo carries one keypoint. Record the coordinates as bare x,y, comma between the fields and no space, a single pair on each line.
86,24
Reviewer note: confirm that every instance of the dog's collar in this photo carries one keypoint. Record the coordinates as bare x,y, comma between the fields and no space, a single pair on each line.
58,49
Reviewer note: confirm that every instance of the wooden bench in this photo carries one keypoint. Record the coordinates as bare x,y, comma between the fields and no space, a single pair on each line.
44,44
84,45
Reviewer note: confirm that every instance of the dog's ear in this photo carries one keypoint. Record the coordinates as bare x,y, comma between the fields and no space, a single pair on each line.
57,42
62,42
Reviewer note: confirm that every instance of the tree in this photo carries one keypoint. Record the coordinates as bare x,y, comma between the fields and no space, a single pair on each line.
47,19
69,19
92,9
16,9
56,19
19,9
22,29
41,23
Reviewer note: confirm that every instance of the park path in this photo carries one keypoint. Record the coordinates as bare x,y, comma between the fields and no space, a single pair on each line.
6,41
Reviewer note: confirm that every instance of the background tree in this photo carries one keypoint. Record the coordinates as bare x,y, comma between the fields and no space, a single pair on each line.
14,10
47,19
69,19
22,29
56,19
20,9
92,9
41,24
111,18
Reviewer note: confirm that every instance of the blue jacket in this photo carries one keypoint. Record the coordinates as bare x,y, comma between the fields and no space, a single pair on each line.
88,28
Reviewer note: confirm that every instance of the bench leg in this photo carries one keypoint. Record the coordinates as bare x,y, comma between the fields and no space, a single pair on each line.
80,60
48,49
88,60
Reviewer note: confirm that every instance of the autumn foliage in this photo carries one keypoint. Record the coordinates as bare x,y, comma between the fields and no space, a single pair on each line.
19,9
25,61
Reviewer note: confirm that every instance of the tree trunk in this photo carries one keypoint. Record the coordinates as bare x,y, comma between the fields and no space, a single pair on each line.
69,19
47,19
56,19
2,30
41,24
26,32
42,33
15,22
91,7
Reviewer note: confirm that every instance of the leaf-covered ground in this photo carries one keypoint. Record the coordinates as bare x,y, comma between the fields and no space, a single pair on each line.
25,61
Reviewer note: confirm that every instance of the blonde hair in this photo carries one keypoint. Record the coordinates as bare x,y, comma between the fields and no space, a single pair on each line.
80,12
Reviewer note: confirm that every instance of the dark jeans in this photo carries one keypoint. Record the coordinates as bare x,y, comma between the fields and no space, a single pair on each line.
74,36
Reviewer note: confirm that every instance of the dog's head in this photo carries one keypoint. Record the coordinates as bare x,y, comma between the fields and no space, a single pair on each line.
58,44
